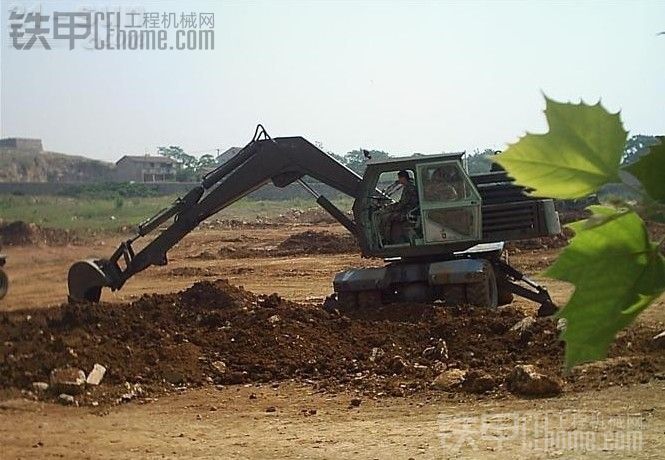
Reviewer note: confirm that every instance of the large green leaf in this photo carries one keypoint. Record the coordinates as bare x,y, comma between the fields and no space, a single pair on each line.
617,272
650,170
580,153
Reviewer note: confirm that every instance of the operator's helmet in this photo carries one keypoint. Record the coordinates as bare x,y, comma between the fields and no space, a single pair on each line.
404,173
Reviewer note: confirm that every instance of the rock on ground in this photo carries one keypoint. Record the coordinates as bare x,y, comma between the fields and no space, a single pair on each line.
526,380
524,326
68,380
478,381
66,399
96,375
449,379
40,386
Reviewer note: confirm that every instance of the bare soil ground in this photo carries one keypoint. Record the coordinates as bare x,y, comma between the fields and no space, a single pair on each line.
278,398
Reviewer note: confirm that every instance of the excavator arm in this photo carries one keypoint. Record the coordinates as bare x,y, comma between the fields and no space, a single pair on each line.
280,160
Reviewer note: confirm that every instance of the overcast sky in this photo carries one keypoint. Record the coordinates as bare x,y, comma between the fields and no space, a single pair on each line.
401,77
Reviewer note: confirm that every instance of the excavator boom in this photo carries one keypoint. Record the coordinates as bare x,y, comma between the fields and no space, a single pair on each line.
280,160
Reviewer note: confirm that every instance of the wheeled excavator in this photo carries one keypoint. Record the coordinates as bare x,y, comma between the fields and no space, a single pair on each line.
449,247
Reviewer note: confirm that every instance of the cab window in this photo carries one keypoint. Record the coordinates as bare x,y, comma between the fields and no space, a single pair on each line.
449,203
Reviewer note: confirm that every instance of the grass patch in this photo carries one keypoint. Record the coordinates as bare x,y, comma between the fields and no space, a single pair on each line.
113,213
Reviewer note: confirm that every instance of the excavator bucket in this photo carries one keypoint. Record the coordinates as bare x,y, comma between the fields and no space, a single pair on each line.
86,279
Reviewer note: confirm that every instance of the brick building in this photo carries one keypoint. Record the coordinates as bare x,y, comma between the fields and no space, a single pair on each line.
145,169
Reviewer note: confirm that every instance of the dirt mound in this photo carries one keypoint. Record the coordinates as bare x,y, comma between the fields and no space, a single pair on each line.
19,233
573,215
315,242
293,216
546,242
309,242
217,333
656,232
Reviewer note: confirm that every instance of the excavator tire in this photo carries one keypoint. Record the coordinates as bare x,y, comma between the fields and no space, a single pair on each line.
4,283
484,293
348,299
454,295
505,297
369,299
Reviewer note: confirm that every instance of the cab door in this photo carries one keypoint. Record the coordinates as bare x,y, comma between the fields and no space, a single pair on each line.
449,203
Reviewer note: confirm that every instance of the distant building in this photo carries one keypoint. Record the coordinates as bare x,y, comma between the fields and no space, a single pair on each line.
145,169
21,143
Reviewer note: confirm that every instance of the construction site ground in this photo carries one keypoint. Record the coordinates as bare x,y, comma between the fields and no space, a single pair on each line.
322,412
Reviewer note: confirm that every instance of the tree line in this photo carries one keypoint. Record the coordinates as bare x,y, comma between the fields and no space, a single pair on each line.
189,168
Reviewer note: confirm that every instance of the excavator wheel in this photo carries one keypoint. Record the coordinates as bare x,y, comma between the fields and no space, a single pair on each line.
369,299
454,295
482,294
505,297
348,299
4,283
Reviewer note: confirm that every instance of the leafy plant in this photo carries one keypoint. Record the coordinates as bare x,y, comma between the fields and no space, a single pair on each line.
188,167
617,271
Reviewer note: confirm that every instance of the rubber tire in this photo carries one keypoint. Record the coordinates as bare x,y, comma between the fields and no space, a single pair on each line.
454,295
484,294
347,299
505,297
4,283
369,299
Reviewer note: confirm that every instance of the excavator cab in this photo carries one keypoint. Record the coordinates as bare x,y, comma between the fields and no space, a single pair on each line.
395,218
449,204
447,214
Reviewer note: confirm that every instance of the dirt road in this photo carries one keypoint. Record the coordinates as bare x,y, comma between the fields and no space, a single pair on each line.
226,423
233,420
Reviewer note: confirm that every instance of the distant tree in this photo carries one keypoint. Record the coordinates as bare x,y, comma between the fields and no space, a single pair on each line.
636,146
480,161
178,155
185,163
204,162
356,160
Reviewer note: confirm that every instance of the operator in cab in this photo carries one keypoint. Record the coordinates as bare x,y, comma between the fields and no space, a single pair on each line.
396,213
445,184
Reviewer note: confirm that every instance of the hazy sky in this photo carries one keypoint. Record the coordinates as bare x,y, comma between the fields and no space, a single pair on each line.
397,76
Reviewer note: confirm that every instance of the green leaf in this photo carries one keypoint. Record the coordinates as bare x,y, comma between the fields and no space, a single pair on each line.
580,153
650,170
617,273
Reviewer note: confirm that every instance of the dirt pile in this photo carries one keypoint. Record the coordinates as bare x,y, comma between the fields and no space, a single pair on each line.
656,232
546,242
315,242
217,333
19,233
311,216
309,242
293,216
